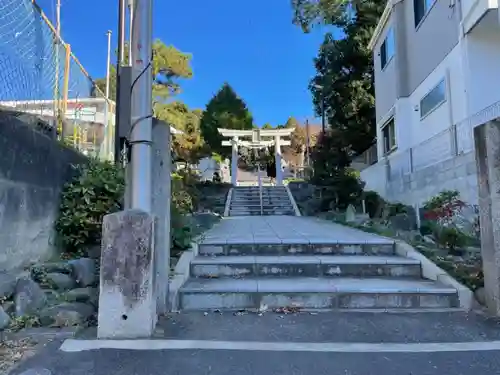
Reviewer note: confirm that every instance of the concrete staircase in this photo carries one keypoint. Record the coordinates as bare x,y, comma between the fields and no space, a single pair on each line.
358,271
245,201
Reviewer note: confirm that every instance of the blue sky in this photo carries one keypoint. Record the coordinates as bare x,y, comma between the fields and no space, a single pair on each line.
249,43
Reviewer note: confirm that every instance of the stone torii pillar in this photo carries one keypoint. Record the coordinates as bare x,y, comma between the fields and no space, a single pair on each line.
234,161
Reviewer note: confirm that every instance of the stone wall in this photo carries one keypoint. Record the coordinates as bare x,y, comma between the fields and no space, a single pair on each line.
457,173
33,169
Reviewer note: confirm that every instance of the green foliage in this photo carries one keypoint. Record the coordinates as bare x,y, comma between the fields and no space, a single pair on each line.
343,85
445,198
96,191
169,65
374,203
224,110
188,146
450,237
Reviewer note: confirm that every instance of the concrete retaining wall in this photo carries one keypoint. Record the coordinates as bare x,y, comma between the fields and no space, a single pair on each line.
458,173
33,169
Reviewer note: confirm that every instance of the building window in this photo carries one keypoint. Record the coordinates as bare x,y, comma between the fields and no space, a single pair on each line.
433,99
421,7
387,48
389,136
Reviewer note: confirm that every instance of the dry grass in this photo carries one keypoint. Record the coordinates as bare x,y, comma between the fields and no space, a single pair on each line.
14,351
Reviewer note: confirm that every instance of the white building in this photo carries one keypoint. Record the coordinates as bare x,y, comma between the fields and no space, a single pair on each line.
436,78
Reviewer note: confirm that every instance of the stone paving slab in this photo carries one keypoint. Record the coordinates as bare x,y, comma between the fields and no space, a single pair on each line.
292,229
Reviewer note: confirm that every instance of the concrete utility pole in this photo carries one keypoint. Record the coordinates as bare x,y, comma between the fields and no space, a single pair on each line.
142,111
107,127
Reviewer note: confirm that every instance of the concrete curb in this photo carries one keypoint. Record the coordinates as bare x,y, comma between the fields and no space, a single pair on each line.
228,202
181,274
432,272
292,199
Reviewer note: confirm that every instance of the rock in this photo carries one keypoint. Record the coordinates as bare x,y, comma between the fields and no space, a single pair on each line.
84,271
88,294
66,314
402,222
44,268
60,281
350,214
4,319
93,252
28,297
9,307
480,296
428,239
7,285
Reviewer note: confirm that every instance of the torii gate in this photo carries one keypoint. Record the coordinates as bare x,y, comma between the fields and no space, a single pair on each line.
256,142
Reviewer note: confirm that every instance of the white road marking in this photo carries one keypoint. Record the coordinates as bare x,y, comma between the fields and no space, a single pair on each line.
72,345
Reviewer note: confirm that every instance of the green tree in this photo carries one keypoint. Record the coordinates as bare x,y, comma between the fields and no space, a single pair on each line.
169,66
189,145
267,126
344,66
224,110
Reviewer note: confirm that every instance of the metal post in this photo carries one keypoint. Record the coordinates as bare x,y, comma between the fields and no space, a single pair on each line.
141,137
64,105
106,147
131,20
57,102
120,60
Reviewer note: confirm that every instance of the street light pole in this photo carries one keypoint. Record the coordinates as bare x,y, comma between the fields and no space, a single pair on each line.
119,142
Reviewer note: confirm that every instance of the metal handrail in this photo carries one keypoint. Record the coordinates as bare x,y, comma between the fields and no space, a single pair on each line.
260,190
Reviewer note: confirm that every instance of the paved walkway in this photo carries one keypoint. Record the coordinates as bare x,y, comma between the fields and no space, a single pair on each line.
286,229
284,342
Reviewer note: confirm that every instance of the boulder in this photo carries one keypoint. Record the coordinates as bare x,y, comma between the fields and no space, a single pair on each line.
4,319
7,285
29,298
84,295
41,269
66,314
60,281
84,271
402,222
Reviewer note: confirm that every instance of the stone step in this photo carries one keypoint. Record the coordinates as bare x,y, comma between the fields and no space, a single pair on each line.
270,210
314,293
307,265
265,213
214,248
257,200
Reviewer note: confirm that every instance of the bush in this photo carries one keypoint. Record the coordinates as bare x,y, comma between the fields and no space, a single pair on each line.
450,237
96,191
374,203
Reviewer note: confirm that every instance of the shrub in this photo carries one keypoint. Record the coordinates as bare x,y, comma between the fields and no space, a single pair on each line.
374,203
451,238
96,191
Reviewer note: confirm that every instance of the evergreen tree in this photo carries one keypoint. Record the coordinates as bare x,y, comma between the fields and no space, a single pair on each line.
224,110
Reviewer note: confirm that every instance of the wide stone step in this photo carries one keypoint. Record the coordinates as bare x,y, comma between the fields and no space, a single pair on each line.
315,293
381,247
257,201
264,213
270,210
307,265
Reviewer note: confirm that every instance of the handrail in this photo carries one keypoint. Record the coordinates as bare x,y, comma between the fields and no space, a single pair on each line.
260,190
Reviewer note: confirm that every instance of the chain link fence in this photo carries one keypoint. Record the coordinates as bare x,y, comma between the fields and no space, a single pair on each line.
40,75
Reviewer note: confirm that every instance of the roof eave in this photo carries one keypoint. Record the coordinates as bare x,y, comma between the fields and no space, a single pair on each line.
381,23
